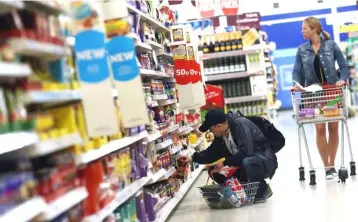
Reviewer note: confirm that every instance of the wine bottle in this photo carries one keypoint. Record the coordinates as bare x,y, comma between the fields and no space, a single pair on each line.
212,43
233,41
227,42
222,43
217,44
205,45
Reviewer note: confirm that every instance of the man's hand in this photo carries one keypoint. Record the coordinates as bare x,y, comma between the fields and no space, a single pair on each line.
219,166
340,83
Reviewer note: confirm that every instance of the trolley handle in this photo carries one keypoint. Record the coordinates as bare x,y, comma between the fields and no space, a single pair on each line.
331,86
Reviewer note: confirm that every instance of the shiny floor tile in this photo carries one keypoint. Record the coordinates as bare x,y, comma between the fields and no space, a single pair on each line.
292,201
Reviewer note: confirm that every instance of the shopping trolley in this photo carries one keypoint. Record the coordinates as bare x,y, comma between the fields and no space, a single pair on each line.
326,105
212,194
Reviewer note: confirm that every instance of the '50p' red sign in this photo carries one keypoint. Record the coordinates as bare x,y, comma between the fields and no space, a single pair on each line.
182,72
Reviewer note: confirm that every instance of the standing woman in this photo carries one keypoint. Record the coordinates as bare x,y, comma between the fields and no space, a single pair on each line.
315,64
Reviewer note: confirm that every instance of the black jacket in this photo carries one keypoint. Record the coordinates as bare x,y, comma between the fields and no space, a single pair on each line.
249,140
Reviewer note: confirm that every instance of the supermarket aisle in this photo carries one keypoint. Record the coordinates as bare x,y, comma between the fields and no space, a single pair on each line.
292,201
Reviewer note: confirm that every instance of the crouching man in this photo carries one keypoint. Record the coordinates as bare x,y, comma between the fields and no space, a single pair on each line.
243,145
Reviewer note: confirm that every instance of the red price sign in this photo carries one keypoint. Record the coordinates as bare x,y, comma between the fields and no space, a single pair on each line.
182,72
194,71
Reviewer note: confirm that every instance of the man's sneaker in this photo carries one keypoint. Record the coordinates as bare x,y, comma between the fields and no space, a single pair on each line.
329,174
334,172
263,198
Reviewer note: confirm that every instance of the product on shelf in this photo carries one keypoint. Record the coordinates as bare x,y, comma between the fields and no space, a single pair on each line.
235,88
225,65
221,42
249,108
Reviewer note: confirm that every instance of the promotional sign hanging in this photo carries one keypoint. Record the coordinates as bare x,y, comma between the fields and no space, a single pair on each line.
96,90
197,83
183,79
126,75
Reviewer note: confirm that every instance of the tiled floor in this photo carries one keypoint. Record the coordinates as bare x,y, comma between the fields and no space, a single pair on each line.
292,201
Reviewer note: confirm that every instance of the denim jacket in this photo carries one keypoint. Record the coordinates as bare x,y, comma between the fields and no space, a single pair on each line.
329,53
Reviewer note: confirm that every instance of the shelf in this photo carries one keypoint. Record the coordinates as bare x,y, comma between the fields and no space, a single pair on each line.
58,96
155,24
45,6
173,128
153,137
166,56
25,211
160,97
157,135
168,173
184,130
108,148
175,149
8,5
164,144
54,145
155,46
167,102
17,140
64,203
143,47
162,174
247,50
243,99
121,197
44,50
154,74
164,213
234,75
14,70
156,176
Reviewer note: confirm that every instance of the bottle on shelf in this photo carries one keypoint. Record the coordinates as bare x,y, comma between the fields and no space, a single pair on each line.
212,44
205,45
232,64
233,41
239,40
227,42
217,44
222,43
237,65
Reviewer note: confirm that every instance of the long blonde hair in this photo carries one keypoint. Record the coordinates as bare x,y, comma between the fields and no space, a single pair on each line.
314,23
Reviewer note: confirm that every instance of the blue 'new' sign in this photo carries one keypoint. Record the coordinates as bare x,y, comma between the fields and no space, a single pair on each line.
122,58
91,56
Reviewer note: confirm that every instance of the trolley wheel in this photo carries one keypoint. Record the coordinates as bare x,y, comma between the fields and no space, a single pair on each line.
313,178
302,173
353,168
343,174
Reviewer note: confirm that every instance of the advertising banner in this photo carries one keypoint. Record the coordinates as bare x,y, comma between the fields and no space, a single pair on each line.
96,86
127,80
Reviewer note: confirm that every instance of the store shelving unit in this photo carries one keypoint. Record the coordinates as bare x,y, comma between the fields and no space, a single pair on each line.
165,212
25,211
243,76
63,203
33,145
108,148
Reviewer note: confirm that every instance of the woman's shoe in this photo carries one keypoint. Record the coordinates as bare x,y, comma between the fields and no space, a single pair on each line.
329,174
334,172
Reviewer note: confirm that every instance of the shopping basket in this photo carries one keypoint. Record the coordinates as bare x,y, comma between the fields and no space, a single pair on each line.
327,105
214,198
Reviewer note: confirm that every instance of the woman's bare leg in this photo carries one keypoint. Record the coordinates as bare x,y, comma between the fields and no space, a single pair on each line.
321,140
333,142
